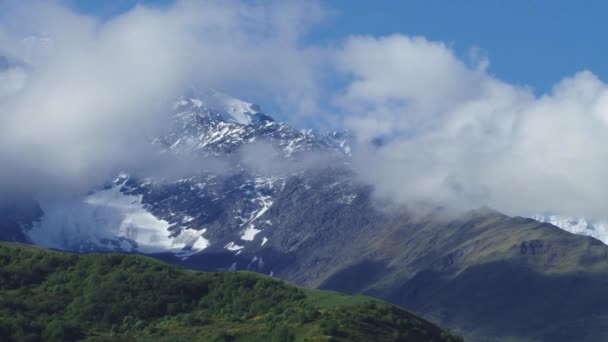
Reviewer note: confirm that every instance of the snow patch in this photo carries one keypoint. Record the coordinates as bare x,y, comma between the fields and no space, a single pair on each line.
109,215
250,233
187,219
264,202
348,199
233,247
200,243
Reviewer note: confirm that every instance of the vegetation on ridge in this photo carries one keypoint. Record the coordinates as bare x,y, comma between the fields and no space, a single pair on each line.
55,296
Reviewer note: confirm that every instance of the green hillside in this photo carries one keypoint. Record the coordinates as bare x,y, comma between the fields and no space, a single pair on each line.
54,296
488,276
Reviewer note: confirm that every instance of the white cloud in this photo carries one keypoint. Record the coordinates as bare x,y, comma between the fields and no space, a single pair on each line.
82,105
12,80
85,96
456,136
412,78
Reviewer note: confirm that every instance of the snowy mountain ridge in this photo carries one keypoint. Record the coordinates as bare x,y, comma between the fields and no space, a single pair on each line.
581,226
223,106
206,211
212,123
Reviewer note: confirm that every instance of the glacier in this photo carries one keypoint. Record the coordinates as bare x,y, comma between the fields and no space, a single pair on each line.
109,219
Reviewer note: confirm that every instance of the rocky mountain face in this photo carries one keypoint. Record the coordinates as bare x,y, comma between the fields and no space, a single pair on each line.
231,210
287,203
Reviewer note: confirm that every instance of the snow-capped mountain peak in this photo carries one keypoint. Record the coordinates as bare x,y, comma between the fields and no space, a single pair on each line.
210,122
207,210
577,225
220,106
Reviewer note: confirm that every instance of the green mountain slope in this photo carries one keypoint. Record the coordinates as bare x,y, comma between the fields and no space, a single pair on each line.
54,296
487,275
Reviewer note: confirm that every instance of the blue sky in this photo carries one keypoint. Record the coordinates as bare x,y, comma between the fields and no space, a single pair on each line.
531,42
108,8
528,42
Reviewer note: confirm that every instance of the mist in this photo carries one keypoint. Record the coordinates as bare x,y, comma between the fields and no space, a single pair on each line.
81,99
455,136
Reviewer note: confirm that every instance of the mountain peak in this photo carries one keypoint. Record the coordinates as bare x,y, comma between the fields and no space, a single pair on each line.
221,106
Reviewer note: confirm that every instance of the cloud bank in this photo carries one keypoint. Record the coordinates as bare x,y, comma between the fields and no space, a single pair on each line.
76,107
457,136
81,99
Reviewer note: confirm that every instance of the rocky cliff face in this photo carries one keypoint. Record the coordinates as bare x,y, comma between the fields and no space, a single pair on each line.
238,210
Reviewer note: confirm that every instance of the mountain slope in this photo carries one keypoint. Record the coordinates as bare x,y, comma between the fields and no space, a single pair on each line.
491,276
60,297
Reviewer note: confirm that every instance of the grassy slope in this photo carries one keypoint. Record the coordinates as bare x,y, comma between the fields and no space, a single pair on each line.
492,277
55,296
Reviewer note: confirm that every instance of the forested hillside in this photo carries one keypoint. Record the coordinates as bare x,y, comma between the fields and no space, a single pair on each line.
55,296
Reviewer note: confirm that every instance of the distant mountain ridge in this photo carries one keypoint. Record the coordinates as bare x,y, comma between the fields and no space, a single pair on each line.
578,225
215,123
